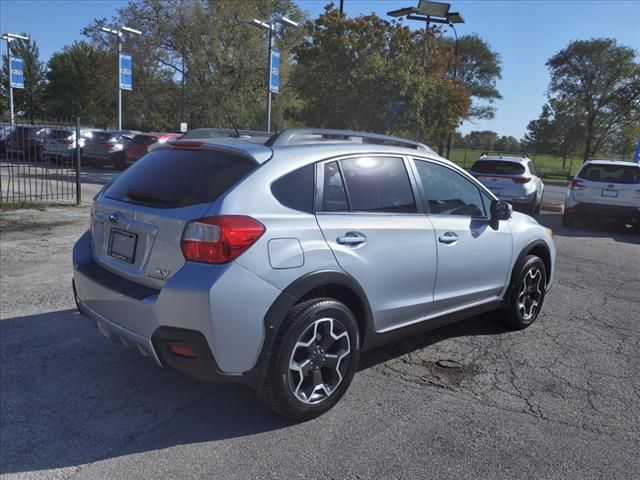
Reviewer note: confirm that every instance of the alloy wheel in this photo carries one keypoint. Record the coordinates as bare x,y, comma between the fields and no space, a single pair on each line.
530,295
319,360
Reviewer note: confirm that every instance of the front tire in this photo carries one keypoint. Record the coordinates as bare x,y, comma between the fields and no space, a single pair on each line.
526,295
314,359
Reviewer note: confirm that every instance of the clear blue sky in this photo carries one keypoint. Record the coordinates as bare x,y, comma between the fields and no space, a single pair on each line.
525,33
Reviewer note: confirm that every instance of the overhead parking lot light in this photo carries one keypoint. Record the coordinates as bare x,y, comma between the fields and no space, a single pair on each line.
433,9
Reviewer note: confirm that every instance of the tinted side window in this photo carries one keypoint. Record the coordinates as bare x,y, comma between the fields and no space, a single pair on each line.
334,197
295,190
532,168
448,192
378,184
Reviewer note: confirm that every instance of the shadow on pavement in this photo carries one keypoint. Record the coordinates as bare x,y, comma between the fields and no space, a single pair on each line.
71,397
591,228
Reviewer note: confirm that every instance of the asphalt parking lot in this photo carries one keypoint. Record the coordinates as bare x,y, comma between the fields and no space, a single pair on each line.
472,400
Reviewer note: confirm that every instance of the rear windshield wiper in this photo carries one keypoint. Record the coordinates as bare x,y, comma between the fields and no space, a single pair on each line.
140,195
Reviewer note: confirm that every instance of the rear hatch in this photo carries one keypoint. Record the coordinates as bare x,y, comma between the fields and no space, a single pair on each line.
138,146
59,141
502,177
138,220
608,184
101,143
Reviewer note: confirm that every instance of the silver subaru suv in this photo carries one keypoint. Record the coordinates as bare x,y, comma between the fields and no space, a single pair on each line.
276,264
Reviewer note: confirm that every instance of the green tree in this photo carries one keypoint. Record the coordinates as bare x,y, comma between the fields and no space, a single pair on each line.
598,82
478,68
558,130
79,83
362,73
28,101
507,144
482,140
224,60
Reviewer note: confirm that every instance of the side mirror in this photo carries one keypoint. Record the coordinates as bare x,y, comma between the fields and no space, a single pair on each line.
570,177
499,211
542,175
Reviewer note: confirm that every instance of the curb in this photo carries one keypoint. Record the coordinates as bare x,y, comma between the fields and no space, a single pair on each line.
552,207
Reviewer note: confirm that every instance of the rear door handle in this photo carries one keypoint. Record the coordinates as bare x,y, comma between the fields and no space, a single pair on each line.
351,239
448,237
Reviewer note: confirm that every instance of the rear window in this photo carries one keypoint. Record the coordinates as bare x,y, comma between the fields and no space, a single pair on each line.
610,173
102,136
172,178
143,140
498,167
60,134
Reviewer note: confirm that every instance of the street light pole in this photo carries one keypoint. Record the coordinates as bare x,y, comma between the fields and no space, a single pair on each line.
270,26
455,77
9,37
119,33
269,49
118,80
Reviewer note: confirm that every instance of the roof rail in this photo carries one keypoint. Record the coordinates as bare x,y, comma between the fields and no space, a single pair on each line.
293,136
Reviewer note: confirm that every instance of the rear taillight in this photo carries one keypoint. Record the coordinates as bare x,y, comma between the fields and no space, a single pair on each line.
108,145
576,184
521,179
219,239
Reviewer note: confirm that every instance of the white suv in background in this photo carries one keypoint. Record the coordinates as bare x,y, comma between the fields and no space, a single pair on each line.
511,179
604,189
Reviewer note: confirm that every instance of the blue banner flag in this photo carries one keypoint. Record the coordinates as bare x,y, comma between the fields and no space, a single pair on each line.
274,75
636,157
17,73
126,72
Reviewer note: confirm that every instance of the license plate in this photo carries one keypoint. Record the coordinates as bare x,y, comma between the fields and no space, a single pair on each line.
123,245
609,193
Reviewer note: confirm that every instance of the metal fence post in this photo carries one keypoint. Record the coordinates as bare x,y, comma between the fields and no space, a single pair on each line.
78,189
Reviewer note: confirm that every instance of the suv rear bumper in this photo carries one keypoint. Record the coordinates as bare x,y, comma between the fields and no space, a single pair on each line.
202,306
604,211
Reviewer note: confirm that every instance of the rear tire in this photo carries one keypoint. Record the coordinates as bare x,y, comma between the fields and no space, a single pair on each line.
313,359
568,220
526,294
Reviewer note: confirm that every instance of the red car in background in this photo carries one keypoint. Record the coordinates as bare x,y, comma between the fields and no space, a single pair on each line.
137,147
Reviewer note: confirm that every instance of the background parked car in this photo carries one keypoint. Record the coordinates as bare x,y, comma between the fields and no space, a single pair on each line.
137,147
60,143
5,130
604,189
512,179
106,148
26,141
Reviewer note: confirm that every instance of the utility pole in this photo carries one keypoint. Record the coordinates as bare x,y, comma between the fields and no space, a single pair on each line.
9,37
119,33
